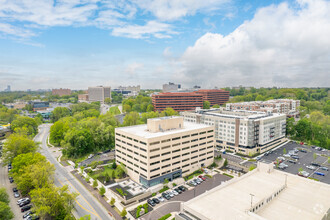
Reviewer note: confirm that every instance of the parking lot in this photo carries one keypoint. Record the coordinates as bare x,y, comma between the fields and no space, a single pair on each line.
305,159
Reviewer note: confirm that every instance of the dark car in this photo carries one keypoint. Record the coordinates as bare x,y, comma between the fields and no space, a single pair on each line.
28,214
316,164
155,200
15,189
182,188
11,180
178,190
303,151
25,208
24,203
151,202
166,196
295,157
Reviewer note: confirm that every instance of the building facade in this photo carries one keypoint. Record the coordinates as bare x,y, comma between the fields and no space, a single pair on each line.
39,106
244,132
214,96
184,101
171,87
61,92
284,106
99,93
128,90
164,148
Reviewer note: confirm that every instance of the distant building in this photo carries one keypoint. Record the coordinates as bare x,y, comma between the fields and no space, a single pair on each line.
128,90
284,106
171,87
244,132
39,106
214,96
83,97
264,193
184,101
61,92
99,93
164,148
8,89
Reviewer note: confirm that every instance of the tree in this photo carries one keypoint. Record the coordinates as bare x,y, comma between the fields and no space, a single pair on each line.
107,100
95,184
4,196
15,145
5,212
102,191
150,108
165,182
216,106
225,163
57,132
123,213
85,217
59,112
284,150
252,167
114,165
168,112
300,170
25,122
206,105
112,201
290,129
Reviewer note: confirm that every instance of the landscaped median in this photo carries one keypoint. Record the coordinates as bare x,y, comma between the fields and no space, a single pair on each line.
165,216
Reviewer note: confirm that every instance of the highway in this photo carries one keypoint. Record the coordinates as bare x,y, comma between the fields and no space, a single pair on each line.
86,204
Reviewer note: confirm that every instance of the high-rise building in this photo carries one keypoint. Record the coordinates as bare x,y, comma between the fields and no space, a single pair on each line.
164,148
184,101
99,93
244,132
128,90
61,92
8,89
171,87
214,96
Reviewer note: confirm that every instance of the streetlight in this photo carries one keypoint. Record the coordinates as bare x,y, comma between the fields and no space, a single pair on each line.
251,198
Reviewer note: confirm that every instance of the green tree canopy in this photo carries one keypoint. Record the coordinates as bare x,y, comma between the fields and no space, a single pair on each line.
25,122
206,105
59,112
5,212
4,196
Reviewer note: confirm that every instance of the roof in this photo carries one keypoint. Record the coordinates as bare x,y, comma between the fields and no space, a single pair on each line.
301,199
178,94
212,90
141,130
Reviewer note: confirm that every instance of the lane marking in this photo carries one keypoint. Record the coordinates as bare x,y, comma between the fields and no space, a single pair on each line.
79,203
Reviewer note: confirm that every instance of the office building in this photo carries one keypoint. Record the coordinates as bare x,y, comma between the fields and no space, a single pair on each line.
178,101
164,148
284,106
128,90
99,93
214,96
171,87
244,132
39,106
61,92
264,193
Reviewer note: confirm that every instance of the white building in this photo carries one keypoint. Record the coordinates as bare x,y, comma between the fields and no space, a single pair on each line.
171,87
99,93
264,193
244,132
164,148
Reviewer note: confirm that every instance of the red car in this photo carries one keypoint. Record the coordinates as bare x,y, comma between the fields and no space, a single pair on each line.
203,178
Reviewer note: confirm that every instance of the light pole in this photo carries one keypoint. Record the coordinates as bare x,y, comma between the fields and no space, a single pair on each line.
251,198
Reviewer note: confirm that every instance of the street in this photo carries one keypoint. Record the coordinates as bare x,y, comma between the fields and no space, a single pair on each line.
86,204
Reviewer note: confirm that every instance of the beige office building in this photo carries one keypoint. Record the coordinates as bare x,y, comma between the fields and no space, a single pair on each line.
245,132
99,93
164,148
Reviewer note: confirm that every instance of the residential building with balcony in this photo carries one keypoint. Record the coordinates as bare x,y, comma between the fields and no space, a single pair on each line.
164,148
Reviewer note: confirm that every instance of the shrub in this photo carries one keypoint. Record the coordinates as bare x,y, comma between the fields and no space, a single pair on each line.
94,164
95,184
228,175
174,184
123,213
102,191
165,216
87,179
146,206
112,201
225,163
164,189
121,192
153,194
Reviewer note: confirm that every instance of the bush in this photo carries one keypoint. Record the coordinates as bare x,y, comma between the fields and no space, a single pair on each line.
102,191
228,175
153,194
165,216
87,179
112,201
174,184
146,206
209,176
164,189
94,164
95,184
121,192
225,163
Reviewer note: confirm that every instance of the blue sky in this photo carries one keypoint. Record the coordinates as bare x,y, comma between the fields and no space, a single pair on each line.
213,43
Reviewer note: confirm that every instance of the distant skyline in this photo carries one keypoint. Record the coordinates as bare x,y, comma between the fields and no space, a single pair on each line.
212,43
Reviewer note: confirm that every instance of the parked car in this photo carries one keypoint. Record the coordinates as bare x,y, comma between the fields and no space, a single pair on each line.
151,202
286,155
292,161
32,217
24,203
161,199
315,164
202,177
303,173
170,194
16,194
206,171
193,183
27,214
182,188
266,154
258,158
311,167
25,208
178,190
155,200
22,200
281,158
11,180
166,196
324,168
15,189
319,173
303,150
295,157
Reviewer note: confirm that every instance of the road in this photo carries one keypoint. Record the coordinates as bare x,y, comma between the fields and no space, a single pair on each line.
86,204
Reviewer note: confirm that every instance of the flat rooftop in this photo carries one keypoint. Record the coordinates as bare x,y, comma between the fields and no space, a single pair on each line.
241,114
142,130
301,199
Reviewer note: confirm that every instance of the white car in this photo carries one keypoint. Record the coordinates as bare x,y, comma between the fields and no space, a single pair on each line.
161,199
286,155
170,194
284,165
174,192
303,173
311,167
281,158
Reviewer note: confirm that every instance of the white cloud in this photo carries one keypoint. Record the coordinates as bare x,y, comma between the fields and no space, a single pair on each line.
174,9
280,46
8,29
133,68
151,28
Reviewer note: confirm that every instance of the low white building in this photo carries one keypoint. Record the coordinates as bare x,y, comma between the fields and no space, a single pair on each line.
245,132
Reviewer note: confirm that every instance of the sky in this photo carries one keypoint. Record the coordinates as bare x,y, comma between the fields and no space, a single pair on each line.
211,43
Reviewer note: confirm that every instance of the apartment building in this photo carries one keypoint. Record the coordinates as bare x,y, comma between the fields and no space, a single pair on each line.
61,92
214,96
164,148
99,93
184,101
284,106
245,132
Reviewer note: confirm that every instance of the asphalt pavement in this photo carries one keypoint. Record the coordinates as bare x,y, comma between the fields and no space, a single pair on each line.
86,204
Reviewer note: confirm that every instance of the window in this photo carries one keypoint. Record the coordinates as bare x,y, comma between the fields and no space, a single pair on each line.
166,147
176,151
185,148
152,157
185,136
154,143
185,154
166,160
202,138
166,153
186,142
144,143
153,170
153,150
166,166
154,163
204,132
194,140
194,157
185,160
174,145
194,134
177,138
154,176
211,136
194,151
175,163
176,157
209,131
143,149
167,140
